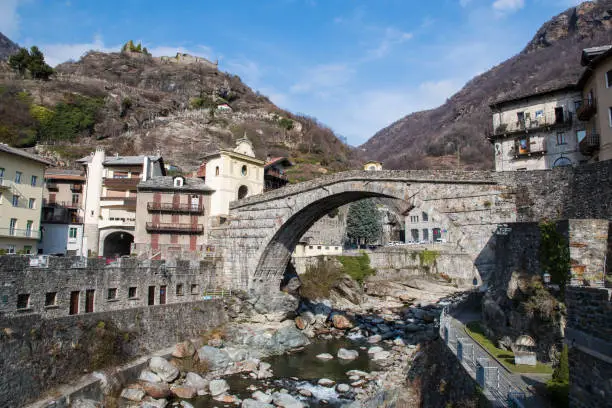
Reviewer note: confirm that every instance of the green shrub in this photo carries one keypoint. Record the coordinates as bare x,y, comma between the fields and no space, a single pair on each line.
554,254
357,267
319,280
558,386
427,257
77,115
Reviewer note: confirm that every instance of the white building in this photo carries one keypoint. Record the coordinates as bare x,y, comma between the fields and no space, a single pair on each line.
426,226
538,131
233,174
110,200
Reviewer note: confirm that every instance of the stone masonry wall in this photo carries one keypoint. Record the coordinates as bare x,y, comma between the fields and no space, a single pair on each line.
39,353
588,241
66,275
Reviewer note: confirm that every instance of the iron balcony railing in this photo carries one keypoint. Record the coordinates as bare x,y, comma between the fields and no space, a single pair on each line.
276,173
60,204
589,144
172,207
62,219
5,183
526,125
175,228
587,108
19,233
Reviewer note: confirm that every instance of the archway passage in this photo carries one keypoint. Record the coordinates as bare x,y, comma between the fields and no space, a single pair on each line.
118,244
242,192
278,252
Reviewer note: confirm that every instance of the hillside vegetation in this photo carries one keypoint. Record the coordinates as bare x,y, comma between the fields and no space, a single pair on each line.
429,139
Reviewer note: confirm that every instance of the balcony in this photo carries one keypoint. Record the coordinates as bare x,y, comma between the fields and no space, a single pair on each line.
121,183
589,145
587,108
126,203
52,187
277,174
5,184
175,228
76,188
175,208
62,219
549,120
19,233
60,204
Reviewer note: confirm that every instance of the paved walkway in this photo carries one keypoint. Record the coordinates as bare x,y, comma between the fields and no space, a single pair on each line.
522,382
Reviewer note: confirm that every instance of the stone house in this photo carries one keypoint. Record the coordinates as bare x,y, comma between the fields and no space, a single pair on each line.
425,226
62,213
21,194
537,131
172,218
595,108
110,200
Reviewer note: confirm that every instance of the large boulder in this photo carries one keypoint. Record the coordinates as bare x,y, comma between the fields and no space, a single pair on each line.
196,381
286,401
217,359
183,349
166,371
156,390
149,376
288,337
251,403
218,387
184,391
341,322
262,397
132,394
278,302
149,402
345,354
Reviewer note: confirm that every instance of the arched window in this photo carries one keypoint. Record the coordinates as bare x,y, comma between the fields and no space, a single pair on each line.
178,181
244,170
217,171
242,192
562,161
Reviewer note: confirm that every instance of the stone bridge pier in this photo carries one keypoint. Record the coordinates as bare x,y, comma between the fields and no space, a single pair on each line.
262,231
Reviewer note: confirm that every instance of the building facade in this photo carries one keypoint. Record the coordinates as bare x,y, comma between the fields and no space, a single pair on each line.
424,226
596,105
172,218
21,194
275,173
233,175
110,200
538,131
62,213
373,166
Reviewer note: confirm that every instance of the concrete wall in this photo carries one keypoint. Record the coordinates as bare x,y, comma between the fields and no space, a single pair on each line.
39,353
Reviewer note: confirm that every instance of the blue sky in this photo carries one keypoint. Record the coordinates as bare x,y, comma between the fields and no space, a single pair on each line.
355,65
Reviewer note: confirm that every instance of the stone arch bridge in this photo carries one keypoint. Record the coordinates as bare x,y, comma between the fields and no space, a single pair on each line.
262,231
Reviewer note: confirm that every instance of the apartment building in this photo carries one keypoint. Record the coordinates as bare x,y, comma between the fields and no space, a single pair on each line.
62,213
595,107
21,194
538,131
171,218
110,200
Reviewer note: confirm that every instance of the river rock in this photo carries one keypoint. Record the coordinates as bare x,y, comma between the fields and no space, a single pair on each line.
304,392
343,388
228,399
251,403
358,373
85,403
185,392
262,397
132,394
236,354
399,342
325,356
326,382
149,402
308,317
374,339
276,302
156,390
183,349
381,355
286,401
196,381
166,371
218,387
345,354
217,359
149,376
341,322
375,349
185,404
300,323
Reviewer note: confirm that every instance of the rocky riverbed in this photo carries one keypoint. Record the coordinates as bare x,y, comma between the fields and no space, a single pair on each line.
280,352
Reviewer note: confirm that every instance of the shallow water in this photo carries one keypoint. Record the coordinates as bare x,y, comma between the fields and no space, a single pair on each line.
307,368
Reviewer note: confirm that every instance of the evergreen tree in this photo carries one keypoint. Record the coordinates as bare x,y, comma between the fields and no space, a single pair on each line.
37,65
363,223
561,373
19,61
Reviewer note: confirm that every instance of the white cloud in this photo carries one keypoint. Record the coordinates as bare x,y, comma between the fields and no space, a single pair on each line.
58,53
508,6
392,37
9,18
321,79
248,70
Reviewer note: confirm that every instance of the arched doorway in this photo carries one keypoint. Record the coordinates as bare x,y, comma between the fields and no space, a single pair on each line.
562,161
242,192
118,244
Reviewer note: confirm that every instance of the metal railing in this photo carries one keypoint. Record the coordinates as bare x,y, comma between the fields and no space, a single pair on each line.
489,376
587,108
218,293
172,207
589,144
546,120
60,204
19,233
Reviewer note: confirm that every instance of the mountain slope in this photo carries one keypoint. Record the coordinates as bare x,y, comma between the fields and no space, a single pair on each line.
428,139
132,103
7,48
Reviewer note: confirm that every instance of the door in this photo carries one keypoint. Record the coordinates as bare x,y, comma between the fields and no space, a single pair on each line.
74,302
558,115
89,300
437,234
195,202
151,300
162,295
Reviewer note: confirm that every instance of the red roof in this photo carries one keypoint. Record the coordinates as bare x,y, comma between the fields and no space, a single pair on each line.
276,160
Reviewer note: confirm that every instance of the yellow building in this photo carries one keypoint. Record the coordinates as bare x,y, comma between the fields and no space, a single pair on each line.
373,166
21,193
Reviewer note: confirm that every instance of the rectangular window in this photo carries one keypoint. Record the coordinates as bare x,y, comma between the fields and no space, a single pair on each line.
539,114
132,292
33,181
577,105
179,289
12,226
580,134
15,200
425,234
414,233
610,116
425,216
75,198
29,228
195,289
31,203
27,249
561,138
112,294
120,174
18,177
50,299
609,79
72,232
23,301
10,249
1,173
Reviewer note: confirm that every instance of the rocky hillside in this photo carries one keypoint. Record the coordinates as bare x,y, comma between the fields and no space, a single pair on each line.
7,47
132,103
428,139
